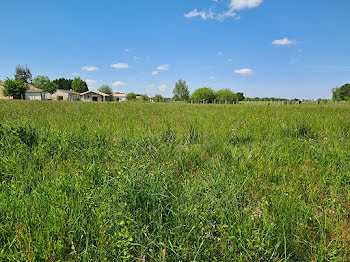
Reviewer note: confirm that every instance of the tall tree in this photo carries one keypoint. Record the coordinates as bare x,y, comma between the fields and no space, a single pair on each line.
23,74
131,96
158,98
44,83
240,96
205,94
341,93
14,88
181,91
63,83
226,95
106,89
79,85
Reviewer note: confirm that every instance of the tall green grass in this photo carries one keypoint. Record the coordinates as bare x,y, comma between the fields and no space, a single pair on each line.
173,182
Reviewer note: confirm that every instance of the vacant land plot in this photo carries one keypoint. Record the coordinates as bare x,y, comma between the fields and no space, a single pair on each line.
172,182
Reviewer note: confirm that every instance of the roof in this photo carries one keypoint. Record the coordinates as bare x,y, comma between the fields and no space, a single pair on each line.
32,89
71,92
96,92
119,95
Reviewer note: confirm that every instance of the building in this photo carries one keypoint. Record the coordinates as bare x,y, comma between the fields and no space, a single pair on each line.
64,95
94,96
33,93
122,97
2,94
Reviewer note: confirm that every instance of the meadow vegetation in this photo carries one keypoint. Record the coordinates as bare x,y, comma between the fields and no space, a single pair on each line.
174,182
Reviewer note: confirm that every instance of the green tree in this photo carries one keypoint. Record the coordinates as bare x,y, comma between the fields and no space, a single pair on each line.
145,97
14,88
106,89
23,74
131,96
225,95
240,96
205,94
79,85
63,83
181,91
44,83
341,93
158,98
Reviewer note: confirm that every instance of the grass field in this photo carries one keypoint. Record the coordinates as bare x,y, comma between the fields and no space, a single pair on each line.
174,182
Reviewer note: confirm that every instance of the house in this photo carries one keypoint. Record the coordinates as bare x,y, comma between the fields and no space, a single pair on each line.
33,93
119,97
94,96
2,94
64,95
122,97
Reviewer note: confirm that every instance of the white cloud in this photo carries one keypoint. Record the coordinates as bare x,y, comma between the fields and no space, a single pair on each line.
136,58
120,66
284,41
233,6
90,82
151,85
119,83
220,53
163,87
229,60
155,73
244,71
163,68
89,68
75,74
212,77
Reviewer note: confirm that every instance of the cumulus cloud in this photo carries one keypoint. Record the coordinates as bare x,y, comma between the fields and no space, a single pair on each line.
163,87
120,66
163,67
284,41
212,77
89,68
155,73
119,83
244,71
232,8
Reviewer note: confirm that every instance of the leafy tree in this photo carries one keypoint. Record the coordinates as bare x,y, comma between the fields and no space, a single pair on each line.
240,96
145,97
14,88
44,83
62,83
79,85
207,94
225,95
341,93
23,74
158,98
106,89
181,91
131,96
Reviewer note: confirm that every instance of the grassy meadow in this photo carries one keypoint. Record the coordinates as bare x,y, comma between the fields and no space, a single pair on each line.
174,182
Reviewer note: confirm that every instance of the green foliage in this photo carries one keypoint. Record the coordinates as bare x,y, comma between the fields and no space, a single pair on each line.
240,96
106,89
23,74
158,98
181,91
79,85
131,96
44,83
14,88
341,93
203,94
145,97
225,95
62,83
173,182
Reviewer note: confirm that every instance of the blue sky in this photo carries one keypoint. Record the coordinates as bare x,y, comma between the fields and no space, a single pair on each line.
280,48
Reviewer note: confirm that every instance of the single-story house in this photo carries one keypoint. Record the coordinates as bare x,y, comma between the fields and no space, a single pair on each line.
94,96
33,93
64,95
122,97
2,94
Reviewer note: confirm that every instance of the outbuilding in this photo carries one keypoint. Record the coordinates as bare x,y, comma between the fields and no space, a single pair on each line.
33,93
64,95
94,96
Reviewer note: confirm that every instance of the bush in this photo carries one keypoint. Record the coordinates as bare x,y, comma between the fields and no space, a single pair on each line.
203,94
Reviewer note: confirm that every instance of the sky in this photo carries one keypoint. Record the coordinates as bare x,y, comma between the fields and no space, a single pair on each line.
265,48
